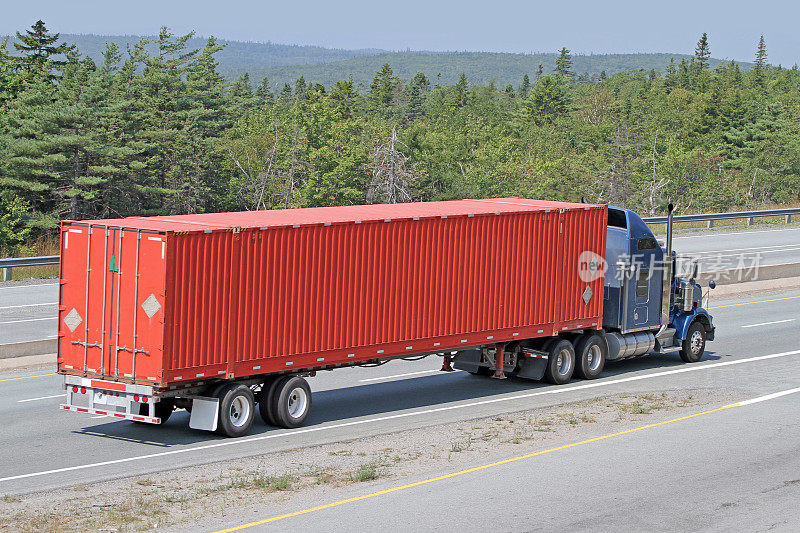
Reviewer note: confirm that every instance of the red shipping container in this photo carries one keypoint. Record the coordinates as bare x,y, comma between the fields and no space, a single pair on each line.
176,299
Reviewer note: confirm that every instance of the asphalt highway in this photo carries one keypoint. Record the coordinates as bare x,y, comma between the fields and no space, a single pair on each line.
28,312
756,352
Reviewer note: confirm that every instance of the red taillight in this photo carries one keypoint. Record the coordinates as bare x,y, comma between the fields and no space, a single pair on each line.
74,388
135,397
83,390
144,399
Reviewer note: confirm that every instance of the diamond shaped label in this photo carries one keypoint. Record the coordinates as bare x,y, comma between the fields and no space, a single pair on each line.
587,295
73,320
151,306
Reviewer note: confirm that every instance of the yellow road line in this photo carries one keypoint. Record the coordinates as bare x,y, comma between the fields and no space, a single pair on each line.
758,302
468,471
28,377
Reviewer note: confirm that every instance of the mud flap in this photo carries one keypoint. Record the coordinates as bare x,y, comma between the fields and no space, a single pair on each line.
532,367
467,360
205,413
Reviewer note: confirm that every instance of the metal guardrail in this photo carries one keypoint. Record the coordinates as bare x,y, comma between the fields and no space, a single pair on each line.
7,264
711,217
16,262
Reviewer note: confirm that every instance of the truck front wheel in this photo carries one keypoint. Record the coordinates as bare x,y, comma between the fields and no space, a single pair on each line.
236,409
694,345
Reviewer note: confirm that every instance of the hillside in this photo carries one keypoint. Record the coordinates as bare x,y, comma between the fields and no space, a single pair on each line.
283,63
480,67
236,57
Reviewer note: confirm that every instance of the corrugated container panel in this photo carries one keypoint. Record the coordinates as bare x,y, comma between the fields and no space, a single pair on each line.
247,300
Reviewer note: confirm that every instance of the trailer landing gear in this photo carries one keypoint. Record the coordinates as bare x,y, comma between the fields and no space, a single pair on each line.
499,361
446,364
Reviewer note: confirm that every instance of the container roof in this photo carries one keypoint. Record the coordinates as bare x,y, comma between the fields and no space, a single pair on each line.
311,216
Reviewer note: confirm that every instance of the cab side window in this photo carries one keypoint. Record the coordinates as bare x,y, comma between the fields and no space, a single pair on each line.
642,283
647,243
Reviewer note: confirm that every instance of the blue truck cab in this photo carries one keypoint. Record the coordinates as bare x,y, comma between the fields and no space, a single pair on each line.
647,307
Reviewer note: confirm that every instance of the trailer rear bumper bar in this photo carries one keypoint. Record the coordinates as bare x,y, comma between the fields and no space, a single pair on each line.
113,414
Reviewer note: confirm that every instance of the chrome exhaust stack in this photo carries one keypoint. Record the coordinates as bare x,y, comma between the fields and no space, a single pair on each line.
666,289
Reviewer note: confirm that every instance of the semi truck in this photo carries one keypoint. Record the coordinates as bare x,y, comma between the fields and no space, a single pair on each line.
226,314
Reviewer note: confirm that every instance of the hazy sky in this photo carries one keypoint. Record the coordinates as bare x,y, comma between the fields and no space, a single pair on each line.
583,26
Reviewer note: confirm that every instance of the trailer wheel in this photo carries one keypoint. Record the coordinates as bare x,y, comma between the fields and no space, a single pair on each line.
694,345
292,402
164,410
236,410
560,362
266,400
590,356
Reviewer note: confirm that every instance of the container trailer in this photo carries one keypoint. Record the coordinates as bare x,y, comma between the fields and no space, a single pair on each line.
224,314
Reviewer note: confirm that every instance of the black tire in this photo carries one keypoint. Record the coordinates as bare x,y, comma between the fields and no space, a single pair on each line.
292,402
164,410
266,400
559,371
590,356
236,410
694,345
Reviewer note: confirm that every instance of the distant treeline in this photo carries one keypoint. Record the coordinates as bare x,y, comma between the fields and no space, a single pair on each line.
158,129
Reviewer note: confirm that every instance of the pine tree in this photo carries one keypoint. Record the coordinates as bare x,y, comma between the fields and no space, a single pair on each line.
415,110
548,99
525,87
462,91
761,60
264,92
564,63
539,72
300,88
382,89
38,46
422,82
702,52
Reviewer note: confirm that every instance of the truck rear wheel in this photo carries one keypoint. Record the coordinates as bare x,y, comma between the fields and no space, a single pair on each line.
560,361
694,345
292,402
236,410
590,356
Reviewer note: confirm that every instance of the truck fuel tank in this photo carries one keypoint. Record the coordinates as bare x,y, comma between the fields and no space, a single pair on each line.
629,345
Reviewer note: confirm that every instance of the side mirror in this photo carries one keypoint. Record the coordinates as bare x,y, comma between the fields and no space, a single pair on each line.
712,284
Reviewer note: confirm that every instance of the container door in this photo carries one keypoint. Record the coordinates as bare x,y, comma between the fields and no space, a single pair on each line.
112,300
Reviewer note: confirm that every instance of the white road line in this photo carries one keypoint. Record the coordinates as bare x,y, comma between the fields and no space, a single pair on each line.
400,375
712,234
768,397
551,390
792,246
769,323
29,286
28,305
41,398
31,320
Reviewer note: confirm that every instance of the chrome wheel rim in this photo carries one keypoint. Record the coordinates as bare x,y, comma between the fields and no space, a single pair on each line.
594,357
297,402
696,342
240,411
563,362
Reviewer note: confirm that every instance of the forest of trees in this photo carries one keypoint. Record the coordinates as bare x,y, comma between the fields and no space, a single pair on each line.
156,129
